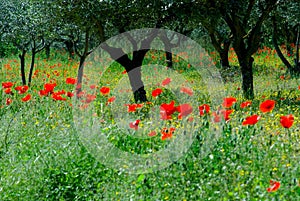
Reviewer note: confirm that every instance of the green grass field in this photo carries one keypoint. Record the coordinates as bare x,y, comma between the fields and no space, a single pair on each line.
43,158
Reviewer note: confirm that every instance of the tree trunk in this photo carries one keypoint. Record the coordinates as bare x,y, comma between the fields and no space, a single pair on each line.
31,66
22,60
224,56
169,58
247,76
297,60
293,70
225,66
70,48
133,66
80,74
135,78
47,50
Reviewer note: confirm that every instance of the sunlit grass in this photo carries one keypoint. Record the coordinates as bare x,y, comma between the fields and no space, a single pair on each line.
41,157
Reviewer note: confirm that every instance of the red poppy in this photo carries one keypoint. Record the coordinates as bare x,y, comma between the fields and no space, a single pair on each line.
49,87
21,89
166,81
274,186
267,106
124,72
156,92
89,98
93,86
70,94
80,94
104,90
133,107
204,109
184,110
26,98
152,133
61,92
134,124
57,96
287,121
245,104
8,101
217,117
78,86
111,99
8,91
251,120
228,102
43,93
6,85
166,110
167,133
186,90
225,114
71,80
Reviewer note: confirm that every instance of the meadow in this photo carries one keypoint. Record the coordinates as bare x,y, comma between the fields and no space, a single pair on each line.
256,157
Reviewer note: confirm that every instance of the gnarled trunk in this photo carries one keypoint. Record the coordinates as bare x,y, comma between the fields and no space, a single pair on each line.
31,66
247,76
22,60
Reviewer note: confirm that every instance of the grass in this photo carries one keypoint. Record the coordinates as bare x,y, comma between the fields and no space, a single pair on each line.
43,158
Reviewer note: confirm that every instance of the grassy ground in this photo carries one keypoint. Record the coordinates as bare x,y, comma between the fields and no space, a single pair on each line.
43,158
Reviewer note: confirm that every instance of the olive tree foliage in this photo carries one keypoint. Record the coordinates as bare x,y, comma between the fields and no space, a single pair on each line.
207,16
286,30
73,24
245,20
126,15
25,26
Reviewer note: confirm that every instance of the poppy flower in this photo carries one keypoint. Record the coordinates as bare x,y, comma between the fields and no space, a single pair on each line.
228,102
6,85
166,81
104,90
57,96
133,107
61,92
156,92
251,120
26,98
274,186
267,106
43,93
22,89
186,90
245,104
93,86
287,121
152,133
124,72
8,91
167,133
184,110
111,99
70,94
8,101
166,110
226,114
71,80
89,98
49,87
134,124
204,109
217,117
222,113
